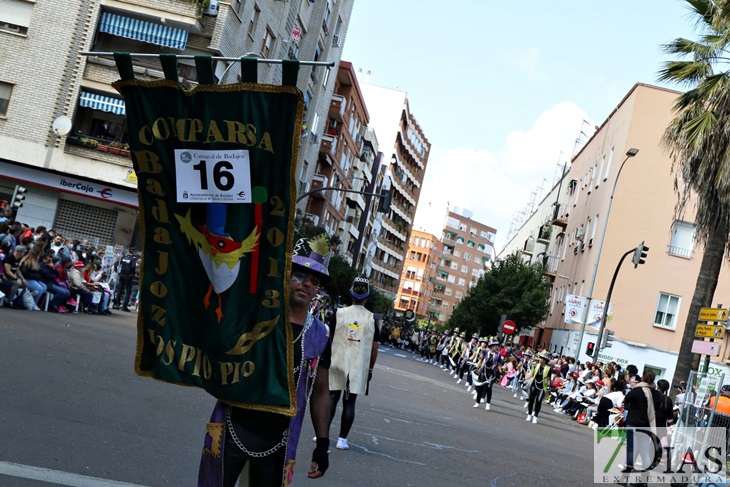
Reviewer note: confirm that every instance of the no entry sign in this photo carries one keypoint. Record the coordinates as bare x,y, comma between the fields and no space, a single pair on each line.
509,327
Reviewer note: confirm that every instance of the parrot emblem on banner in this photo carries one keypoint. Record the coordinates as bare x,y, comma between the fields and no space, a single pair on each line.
218,252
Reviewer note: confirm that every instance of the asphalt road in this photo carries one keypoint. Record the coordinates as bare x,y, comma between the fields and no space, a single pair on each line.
72,412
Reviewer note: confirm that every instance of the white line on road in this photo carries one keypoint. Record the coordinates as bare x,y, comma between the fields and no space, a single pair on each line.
58,477
400,355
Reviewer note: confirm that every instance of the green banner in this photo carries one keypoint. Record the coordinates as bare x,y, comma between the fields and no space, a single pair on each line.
215,168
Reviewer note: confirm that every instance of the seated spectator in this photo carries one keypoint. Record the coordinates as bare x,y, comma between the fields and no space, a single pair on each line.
92,278
13,279
77,286
64,263
53,284
30,267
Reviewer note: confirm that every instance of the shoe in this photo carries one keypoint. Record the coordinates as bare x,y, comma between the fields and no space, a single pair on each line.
61,309
534,420
116,306
106,312
458,381
483,401
342,444
529,417
487,408
127,310
515,394
468,389
476,405
92,312
525,405
72,302
314,439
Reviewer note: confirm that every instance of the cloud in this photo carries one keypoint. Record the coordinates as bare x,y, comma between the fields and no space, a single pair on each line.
497,185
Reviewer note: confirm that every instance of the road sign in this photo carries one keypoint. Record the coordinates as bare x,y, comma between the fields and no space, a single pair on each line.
509,327
706,348
709,331
713,314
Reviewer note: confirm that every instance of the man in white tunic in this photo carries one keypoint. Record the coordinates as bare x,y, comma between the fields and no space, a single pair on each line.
354,351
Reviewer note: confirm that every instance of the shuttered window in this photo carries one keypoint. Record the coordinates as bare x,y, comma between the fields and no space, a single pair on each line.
79,221
15,15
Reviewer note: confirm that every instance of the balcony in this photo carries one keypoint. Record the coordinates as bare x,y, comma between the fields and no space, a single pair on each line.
349,225
543,235
328,147
318,182
551,265
338,105
558,219
410,292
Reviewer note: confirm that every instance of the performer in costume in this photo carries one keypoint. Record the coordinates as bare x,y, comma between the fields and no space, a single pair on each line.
457,342
354,352
466,352
539,380
525,365
487,373
433,342
471,363
268,441
443,350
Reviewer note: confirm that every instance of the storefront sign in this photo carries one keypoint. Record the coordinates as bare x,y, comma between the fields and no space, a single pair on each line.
706,348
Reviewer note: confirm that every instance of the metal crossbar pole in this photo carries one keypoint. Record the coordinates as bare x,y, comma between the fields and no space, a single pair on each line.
330,64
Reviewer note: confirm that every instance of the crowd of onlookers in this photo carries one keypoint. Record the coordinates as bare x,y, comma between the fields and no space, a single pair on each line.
590,393
42,270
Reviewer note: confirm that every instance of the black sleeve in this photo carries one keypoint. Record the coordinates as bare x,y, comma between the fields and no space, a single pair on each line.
326,358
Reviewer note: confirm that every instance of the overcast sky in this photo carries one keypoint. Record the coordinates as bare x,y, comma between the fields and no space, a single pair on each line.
502,89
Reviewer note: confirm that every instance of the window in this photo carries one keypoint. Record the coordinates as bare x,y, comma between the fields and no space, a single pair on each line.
465,269
457,295
6,89
666,311
253,20
239,6
266,44
682,239
15,16
608,164
326,77
462,281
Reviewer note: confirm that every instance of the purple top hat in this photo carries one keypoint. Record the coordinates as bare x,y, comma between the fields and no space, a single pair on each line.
360,288
311,254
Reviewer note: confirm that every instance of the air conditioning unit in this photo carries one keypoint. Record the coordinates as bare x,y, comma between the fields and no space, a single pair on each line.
336,41
212,9
314,138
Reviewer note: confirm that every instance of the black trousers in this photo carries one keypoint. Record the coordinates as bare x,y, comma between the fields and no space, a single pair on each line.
123,290
534,401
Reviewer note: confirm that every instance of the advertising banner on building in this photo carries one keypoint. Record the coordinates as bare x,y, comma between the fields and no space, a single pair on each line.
216,196
574,308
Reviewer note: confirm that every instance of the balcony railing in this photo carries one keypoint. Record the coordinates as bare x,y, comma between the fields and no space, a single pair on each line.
558,219
551,265
337,107
680,252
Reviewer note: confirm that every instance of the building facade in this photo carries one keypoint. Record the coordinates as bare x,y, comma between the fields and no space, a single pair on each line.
415,291
649,304
468,251
405,150
80,179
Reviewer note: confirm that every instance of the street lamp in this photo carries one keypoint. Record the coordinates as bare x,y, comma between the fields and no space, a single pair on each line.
629,154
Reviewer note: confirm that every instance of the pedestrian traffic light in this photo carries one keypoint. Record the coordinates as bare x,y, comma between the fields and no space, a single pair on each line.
640,254
590,348
18,197
386,196
607,339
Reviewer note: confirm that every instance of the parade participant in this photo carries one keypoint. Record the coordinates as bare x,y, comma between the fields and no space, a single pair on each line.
266,440
457,342
443,350
466,352
433,342
487,373
525,365
354,352
539,380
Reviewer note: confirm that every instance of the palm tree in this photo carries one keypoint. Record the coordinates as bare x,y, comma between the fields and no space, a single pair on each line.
698,140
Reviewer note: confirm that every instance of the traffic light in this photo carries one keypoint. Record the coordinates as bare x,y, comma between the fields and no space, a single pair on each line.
386,196
18,197
607,339
640,254
590,348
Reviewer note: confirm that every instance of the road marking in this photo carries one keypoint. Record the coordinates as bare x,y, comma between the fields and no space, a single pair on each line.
400,355
57,477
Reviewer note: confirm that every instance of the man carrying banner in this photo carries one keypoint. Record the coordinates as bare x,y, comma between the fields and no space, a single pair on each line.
354,352
236,436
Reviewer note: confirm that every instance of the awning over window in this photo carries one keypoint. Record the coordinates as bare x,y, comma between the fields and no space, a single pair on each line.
101,102
162,35
442,273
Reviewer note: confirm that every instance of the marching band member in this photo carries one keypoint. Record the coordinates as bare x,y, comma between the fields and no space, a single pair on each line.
539,380
487,370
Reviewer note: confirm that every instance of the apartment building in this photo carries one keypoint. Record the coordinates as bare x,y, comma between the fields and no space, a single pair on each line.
416,287
79,176
468,251
347,151
405,150
649,304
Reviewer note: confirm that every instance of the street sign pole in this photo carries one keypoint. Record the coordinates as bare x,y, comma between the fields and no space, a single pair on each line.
707,357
